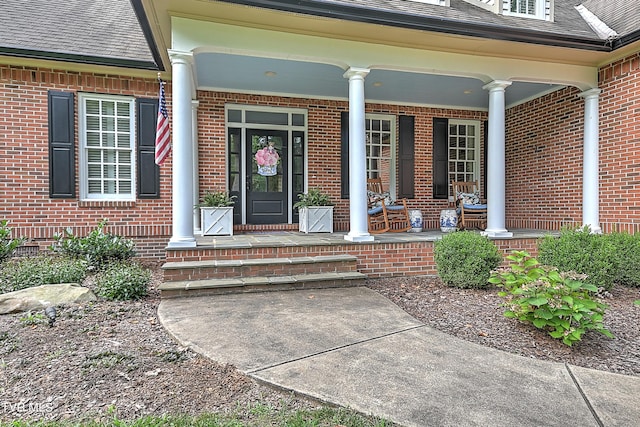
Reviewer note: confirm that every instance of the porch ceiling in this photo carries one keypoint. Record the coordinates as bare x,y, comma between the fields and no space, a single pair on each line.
253,74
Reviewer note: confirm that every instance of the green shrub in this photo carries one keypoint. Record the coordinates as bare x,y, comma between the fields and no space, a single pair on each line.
581,251
98,248
123,281
7,244
465,259
40,270
549,300
628,256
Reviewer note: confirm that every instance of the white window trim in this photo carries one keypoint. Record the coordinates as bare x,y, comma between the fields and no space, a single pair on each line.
82,155
392,172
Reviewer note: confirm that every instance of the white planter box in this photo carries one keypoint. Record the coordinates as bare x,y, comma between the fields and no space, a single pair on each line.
316,219
216,221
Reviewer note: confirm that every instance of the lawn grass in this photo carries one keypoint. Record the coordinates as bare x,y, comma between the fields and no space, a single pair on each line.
257,415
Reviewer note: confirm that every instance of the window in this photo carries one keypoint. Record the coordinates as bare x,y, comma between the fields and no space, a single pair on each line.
380,140
107,169
528,8
463,142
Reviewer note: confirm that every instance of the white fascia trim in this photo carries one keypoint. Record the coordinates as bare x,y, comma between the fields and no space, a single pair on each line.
601,29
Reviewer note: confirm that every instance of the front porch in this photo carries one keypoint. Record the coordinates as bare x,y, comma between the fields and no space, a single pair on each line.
275,260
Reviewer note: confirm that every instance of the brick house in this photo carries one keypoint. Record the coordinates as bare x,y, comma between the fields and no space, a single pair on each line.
539,100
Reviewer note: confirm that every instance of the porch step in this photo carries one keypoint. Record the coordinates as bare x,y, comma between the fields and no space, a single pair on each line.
258,267
261,284
212,277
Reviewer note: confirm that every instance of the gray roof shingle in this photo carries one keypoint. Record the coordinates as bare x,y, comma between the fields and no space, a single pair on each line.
107,29
622,16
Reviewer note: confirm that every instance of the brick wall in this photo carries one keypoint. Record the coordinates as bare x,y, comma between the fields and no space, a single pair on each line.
620,145
543,149
324,146
24,180
544,155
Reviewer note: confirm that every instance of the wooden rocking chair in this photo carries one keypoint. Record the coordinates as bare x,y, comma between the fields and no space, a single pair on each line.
382,213
471,209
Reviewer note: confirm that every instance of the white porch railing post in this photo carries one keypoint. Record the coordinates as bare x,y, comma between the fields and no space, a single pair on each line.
496,163
182,151
358,229
590,179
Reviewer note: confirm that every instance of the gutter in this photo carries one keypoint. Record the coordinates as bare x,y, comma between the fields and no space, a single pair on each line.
425,23
626,39
78,58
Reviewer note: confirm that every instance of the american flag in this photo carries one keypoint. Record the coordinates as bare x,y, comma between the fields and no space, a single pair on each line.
163,140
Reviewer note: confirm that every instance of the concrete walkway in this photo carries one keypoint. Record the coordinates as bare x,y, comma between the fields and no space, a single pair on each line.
353,347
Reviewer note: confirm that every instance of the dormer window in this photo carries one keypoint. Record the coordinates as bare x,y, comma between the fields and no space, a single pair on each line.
539,9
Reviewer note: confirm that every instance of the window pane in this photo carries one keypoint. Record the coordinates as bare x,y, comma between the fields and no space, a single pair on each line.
266,117
124,157
93,139
123,109
108,108
94,171
297,119
109,187
109,156
124,140
94,156
109,124
109,171
124,172
108,140
125,187
93,123
95,187
92,106
123,124
235,116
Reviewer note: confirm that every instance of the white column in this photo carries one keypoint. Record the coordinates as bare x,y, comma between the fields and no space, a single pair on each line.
590,162
182,151
496,161
358,228
196,174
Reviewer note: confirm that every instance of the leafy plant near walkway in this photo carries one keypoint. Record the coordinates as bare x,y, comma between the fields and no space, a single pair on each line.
97,248
465,259
7,244
550,300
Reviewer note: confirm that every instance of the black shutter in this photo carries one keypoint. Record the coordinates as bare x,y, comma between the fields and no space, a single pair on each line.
440,159
62,168
407,162
344,154
148,172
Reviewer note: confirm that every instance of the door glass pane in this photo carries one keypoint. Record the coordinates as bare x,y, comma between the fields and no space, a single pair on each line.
266,163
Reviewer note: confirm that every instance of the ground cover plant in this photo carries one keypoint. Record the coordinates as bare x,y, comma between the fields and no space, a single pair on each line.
26,272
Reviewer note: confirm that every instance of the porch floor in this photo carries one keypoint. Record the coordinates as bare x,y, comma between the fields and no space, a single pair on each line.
294,238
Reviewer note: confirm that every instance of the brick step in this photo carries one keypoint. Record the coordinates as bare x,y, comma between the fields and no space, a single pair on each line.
258,267
260,284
